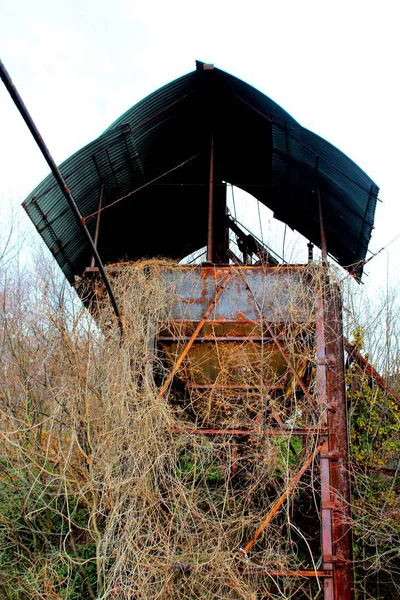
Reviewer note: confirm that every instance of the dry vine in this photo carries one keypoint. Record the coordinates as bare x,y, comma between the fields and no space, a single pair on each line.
109,499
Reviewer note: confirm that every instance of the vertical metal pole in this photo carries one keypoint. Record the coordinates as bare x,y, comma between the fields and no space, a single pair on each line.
324,249
220,241
331,590
343,577
326,504
310,247
96,233
335,482
210,231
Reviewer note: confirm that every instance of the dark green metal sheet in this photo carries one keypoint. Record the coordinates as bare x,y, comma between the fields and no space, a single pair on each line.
165,139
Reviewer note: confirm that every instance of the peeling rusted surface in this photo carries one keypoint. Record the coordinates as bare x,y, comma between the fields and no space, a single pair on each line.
253,293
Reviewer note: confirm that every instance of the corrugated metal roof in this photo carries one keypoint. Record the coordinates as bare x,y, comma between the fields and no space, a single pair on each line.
258,147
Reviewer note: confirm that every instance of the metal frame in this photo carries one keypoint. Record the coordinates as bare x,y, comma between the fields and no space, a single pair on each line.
331,440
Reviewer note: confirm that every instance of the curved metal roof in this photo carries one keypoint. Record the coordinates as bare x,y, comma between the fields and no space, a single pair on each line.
161,149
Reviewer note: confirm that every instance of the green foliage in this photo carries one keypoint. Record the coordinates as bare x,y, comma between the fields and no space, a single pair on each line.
43,539
194,467
287,452
375,451
375,423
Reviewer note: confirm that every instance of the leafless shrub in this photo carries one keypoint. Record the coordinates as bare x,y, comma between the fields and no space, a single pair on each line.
106,495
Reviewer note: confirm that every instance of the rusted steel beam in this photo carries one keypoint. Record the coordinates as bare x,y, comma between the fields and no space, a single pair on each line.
275,431
220,226
329,589
60,181
381,471
343,578
324,250
322,395
219,339
288,572
326,509
201,431
195,333
98,217
354,354
228,386
289,364
278,503
234,258
210,230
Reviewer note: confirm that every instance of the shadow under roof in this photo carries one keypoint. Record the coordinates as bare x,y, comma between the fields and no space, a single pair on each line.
161,148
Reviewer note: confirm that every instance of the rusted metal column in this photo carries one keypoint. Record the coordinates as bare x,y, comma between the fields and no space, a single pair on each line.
322,392
310,247
343,577
220,242
210,231
324,248
98,217
335,483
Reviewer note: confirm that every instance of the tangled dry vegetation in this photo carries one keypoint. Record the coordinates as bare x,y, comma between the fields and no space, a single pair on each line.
104,496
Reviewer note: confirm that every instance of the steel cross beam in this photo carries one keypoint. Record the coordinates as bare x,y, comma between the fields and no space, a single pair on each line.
289,572
250,432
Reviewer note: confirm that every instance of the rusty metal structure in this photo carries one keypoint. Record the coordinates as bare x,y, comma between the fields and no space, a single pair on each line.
221,306
157,178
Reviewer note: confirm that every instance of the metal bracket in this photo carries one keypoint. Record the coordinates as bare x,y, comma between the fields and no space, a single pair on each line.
338,560
333,455
327,361
329,504
333,505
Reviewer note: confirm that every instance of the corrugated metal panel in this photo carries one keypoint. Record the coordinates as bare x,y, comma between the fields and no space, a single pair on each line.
259,147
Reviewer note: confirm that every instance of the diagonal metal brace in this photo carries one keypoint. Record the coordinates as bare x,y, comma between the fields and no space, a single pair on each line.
278,503
281,349
194,335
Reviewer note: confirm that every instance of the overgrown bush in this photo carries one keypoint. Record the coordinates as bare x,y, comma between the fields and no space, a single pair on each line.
101,498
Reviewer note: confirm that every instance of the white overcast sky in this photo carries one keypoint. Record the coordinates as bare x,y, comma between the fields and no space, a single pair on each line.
79,64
